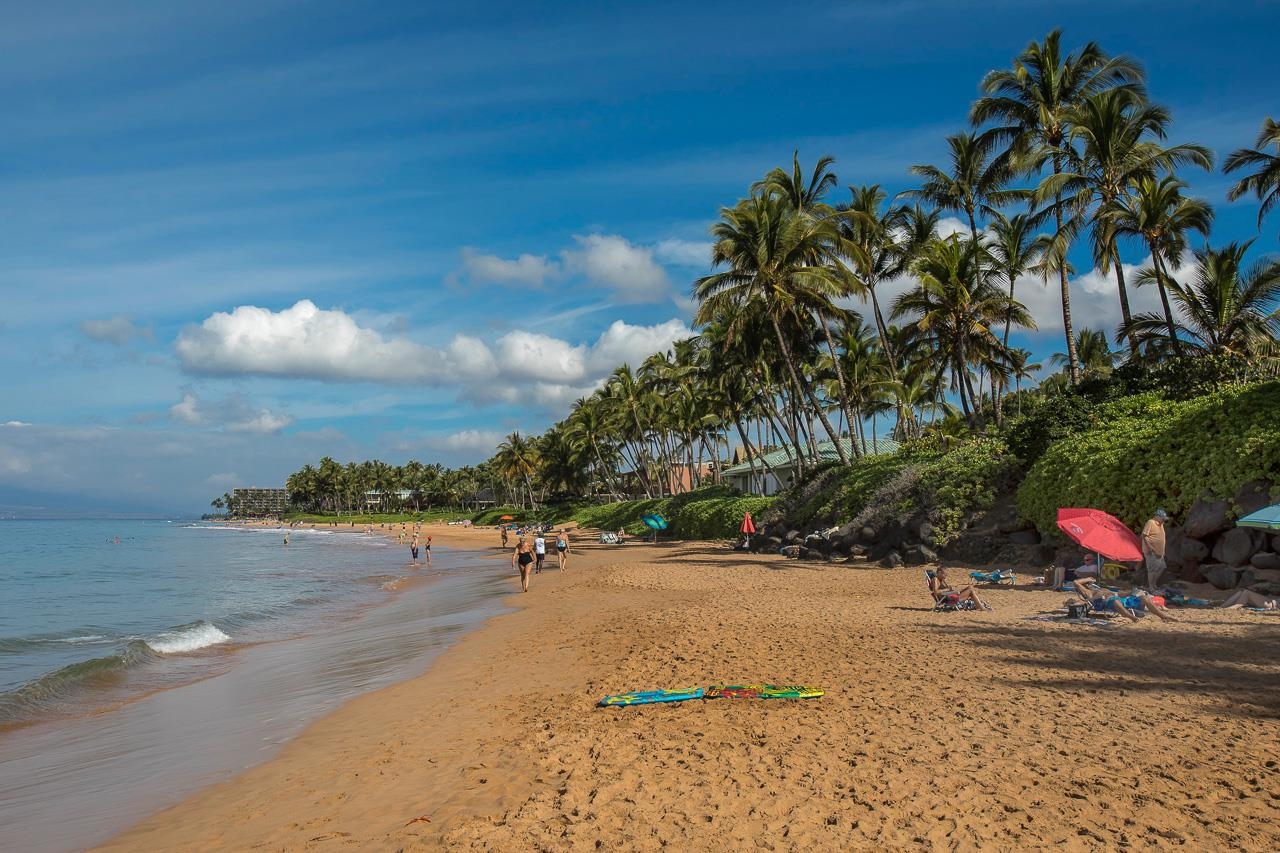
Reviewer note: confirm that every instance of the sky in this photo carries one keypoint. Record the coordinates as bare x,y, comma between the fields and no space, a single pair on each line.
238,236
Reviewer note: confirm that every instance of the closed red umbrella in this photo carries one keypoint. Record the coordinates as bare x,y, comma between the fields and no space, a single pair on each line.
1101,532
748,526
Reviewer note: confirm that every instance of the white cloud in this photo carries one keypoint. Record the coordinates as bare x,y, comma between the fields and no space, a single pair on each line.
233,414
310,343
684,253
532,270
628,270
16,424
117,330
482,440
304,342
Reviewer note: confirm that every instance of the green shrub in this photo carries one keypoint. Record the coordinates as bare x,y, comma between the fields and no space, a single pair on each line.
968,478
1146,452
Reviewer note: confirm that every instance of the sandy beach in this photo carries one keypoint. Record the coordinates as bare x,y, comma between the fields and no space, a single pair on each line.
938,731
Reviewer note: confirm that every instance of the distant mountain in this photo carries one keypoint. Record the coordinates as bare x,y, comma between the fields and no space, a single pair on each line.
29,503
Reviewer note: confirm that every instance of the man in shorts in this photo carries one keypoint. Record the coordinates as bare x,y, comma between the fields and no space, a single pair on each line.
1153,547
539,552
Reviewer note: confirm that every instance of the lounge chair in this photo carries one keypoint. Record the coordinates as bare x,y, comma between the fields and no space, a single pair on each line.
946,599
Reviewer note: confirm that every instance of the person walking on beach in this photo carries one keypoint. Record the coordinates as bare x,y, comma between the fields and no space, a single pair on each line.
1153,547
523,557
539,552
505,538
562,547
413,547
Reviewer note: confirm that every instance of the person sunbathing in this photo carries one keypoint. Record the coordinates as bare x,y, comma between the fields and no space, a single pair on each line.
1248,598
944,591
1103,599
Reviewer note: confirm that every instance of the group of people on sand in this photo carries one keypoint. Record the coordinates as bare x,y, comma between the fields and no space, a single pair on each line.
1084,583
528,557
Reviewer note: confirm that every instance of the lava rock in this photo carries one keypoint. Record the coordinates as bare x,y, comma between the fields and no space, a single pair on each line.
926,532
1025,537
1222,577
892,560
1234,547
792,537
1207,515
1253,496
1265,560
1246,579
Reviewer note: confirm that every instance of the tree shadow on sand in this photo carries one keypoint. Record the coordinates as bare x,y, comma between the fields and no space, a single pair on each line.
1241,670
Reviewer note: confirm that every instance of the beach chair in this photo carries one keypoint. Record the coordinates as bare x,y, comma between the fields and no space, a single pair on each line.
943,600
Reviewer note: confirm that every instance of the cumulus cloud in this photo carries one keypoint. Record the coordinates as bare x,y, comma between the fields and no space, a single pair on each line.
630,271
532,270
307,342
233,414
683,253
302,341
16,424
482,440
117,330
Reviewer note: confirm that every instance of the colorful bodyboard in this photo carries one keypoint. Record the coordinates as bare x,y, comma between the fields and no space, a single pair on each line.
647,697
762,691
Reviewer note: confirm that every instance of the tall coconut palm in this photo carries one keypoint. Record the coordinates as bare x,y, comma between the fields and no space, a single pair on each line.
782,264
802,196
1021,367
1016,249
975,183
517,459
1157,212
1265,182
1031,105
1096,356
955,307
1117,138
1226,308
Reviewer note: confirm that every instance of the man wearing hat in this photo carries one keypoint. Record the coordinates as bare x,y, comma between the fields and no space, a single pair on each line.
1153,547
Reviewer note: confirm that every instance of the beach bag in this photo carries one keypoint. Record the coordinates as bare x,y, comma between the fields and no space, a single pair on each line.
1077,610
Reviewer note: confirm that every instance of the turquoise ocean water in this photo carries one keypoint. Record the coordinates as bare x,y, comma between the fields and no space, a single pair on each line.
142,660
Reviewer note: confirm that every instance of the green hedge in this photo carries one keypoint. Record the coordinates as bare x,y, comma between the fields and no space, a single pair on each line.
714,512
1147,452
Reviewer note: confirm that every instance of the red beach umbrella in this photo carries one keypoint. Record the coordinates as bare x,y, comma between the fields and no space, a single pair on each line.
507,518
748,526
1098,531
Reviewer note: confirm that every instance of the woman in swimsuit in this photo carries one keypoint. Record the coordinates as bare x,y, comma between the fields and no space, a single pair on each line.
562,547
523,555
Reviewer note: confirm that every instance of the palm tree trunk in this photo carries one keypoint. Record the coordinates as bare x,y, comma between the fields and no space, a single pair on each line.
1073,359
844,392
1125,316
1161,278
807,393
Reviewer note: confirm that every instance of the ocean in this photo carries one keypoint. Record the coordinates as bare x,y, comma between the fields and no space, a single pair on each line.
143,660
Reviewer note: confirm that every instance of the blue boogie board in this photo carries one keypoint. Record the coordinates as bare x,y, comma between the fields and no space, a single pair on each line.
648,697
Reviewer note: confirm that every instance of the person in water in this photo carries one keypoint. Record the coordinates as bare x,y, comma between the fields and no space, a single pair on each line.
413,547
523,557
427,548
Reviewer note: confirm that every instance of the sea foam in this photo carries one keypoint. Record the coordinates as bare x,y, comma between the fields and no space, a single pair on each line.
188,638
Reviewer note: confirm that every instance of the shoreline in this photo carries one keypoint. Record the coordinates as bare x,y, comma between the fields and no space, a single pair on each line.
211,728
976,727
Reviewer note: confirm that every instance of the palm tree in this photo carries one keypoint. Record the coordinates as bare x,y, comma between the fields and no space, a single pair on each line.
783,265
1031,104
1226,309
1021,367
1158,213
517,458
954,308
1095,354
1015,250
802,197
1265,182
974,185
1115,132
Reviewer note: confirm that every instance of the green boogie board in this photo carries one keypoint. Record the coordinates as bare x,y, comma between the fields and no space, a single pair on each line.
762,691
648,697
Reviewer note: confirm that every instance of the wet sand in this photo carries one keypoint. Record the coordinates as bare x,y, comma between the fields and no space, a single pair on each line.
938,731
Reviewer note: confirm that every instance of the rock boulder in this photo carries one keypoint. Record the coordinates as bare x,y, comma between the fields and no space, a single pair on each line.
1206,515
1265,560
1222,577
1234,547
1253,496
1024,537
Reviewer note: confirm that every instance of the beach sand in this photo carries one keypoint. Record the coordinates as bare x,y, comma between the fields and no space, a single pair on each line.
938,731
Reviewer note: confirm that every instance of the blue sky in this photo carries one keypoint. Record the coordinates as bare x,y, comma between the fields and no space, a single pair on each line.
239,236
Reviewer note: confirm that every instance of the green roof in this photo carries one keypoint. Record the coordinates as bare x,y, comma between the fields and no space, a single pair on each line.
826,453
